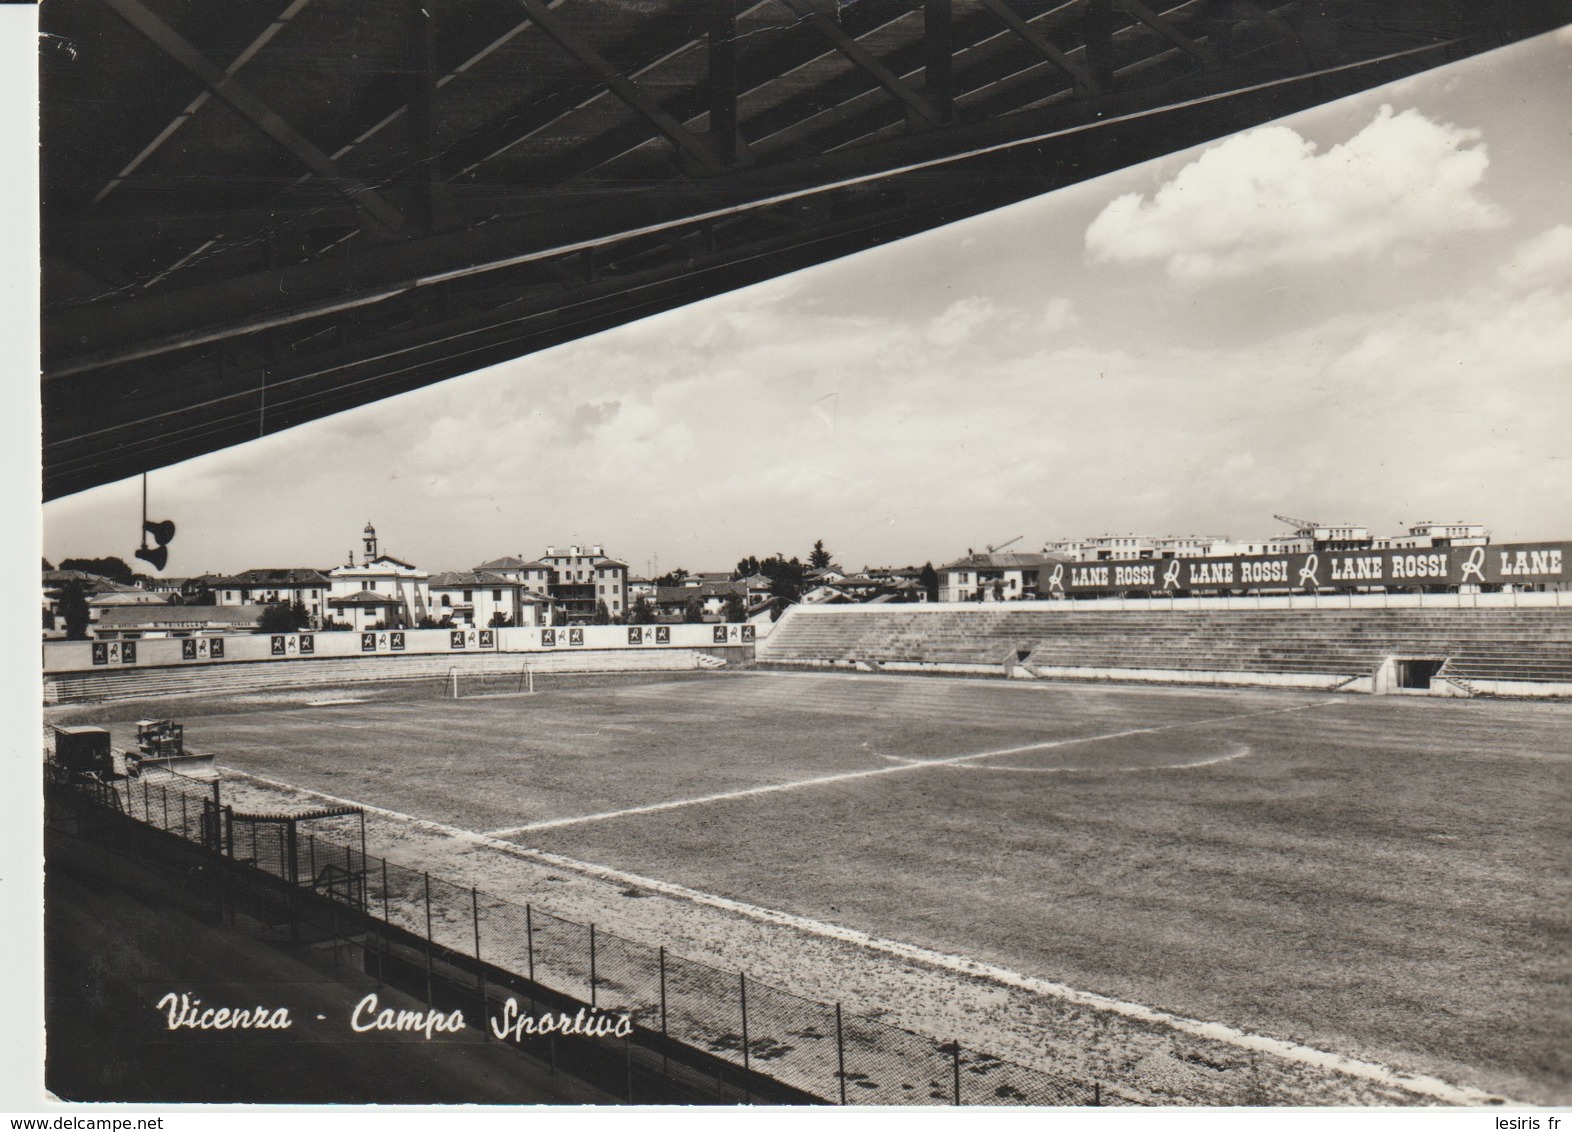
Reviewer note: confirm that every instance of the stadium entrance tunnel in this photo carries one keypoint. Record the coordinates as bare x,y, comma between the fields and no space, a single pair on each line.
1417,674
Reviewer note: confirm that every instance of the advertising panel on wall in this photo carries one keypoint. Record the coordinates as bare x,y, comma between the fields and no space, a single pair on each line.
1508,563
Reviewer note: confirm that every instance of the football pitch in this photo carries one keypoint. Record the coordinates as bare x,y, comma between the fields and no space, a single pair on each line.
1381,878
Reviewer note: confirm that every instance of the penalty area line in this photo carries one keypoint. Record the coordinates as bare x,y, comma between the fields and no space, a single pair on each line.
900,768
1420,1084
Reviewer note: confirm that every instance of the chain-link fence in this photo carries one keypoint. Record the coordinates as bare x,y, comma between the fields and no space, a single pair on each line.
811,1046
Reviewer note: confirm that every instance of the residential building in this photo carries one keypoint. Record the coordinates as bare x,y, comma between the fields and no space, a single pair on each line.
995,576
382,590
582,578
533,576
273,587
1431,534
478,598
671,602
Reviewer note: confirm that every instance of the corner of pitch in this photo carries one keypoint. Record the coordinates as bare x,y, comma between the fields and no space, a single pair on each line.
513,1025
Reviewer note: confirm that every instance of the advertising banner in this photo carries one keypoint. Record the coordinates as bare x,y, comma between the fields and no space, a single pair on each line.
1519,563
292,644
472,639
383,640
202,648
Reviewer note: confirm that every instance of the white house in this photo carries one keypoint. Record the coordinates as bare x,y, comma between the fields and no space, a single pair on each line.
475,598
383,589
994,576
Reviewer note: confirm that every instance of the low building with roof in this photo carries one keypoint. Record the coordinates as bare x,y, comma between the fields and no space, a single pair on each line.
161,619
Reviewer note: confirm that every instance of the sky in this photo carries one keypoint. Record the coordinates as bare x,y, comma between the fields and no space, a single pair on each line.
1362,313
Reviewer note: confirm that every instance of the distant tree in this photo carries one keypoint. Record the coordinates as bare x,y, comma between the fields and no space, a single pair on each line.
46,565
981,594
426,621
746,568
642,613
331,626
674,578
819,558
693,612
299,614
602,614
281,618
735,611
998,591
195,592
74,611
114,569
929,578
501,620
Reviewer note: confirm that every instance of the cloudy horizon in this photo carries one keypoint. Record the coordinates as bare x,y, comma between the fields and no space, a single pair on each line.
1362,313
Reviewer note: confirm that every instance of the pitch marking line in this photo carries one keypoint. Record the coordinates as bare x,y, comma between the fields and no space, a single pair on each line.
851,775
1420,1084
1240,751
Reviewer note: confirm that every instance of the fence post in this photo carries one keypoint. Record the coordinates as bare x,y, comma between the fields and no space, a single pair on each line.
480,974
592,966
840,1053
529,945
1097,1093
664,1067
955,1068
428,939
185,819
663,991
165,793
742,998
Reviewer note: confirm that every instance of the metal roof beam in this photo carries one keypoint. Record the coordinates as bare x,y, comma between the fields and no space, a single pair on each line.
860,58
1038,43
225,88
635,96
1166,28
168,131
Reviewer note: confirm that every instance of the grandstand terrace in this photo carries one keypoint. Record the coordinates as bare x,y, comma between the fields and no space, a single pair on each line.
1483,643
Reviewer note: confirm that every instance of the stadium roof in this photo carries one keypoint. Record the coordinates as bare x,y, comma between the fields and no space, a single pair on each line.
262,212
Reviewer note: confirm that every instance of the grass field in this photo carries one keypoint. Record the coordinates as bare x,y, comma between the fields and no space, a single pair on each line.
1384,878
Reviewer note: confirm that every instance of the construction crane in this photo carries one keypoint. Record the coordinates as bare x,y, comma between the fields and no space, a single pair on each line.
1002,545
1298,524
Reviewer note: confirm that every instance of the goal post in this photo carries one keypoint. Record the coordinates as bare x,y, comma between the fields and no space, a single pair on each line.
459,685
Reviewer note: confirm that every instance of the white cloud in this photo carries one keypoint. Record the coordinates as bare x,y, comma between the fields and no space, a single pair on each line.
959,320
1059,315
1542,260
1267,198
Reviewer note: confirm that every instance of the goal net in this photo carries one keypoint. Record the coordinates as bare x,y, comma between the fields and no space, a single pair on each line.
460,684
